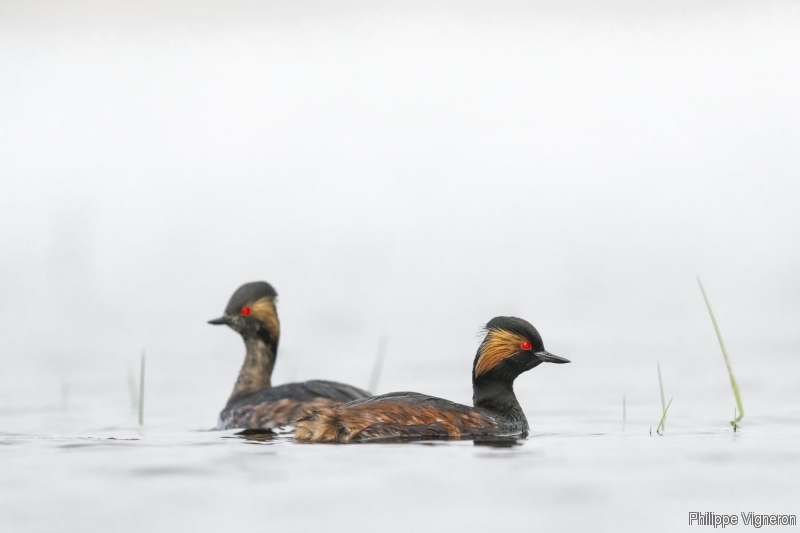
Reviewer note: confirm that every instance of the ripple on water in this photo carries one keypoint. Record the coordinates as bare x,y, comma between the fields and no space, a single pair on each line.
161,471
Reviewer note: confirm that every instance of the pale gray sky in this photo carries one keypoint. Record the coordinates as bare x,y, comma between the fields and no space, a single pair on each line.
410,170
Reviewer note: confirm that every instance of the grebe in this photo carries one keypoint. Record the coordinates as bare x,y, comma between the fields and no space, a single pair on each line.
511,346
254,402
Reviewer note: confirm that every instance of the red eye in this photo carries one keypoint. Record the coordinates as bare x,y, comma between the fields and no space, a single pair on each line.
525,345
245,310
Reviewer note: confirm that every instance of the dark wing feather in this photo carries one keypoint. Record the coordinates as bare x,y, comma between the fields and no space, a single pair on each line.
278,406
333,390
417,399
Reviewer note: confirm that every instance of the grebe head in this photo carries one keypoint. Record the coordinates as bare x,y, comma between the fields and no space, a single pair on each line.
251,311
511,346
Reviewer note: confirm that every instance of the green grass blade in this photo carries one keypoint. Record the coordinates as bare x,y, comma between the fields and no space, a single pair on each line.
141,391
663,416
661,387
734,386
377,367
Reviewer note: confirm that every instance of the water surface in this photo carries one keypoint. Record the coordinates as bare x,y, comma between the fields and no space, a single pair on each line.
577,470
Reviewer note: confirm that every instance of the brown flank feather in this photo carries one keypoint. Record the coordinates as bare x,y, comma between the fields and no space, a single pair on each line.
498,345
344,423
275,414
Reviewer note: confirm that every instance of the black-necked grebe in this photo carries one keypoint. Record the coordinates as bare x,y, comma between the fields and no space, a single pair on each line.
511,346
254,402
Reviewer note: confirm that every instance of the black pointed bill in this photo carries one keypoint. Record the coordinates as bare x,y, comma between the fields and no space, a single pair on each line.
221,321
547,357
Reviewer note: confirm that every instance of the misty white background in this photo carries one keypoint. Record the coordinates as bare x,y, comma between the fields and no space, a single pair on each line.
406,171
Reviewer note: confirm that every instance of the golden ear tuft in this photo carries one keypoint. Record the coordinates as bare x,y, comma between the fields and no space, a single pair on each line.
499,344
264,310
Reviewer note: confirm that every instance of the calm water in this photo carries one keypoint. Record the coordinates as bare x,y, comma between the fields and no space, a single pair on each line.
62,471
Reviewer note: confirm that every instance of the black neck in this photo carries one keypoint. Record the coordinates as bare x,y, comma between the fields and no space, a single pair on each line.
256,372
495,395
494,392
